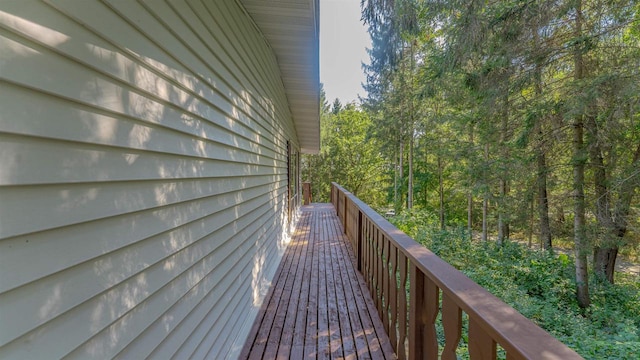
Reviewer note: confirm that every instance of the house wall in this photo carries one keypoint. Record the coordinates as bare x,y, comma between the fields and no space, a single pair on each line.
143,178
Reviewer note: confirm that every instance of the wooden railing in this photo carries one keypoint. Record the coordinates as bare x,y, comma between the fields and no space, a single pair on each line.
393,264
306,193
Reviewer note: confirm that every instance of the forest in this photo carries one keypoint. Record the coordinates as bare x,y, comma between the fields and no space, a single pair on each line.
505,135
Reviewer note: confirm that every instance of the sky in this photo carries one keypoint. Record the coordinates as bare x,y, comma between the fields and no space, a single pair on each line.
343,40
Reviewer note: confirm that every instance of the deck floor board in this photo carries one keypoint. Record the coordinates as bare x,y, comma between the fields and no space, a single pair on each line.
319,306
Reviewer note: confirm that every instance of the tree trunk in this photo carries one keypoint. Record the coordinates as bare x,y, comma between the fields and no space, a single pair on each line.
395,182
541,160
411,131
604,262
441,191
485,213
470,193
606,249
401,175
485,199
579,160
470,214
410,185
503,223
543,201
614,228
579,224
531,220
503,216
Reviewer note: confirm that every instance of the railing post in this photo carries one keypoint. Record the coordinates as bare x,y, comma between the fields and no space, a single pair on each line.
331,195
306,193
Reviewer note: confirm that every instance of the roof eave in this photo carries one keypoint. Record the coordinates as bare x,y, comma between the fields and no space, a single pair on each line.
291,27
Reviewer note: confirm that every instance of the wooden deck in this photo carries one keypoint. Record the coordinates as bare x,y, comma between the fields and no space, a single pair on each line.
319,306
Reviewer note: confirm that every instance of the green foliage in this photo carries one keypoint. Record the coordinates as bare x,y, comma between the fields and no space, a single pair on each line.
539,284
418,223
481,97
349,156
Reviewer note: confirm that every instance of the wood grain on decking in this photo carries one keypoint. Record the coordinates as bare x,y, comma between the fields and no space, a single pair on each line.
319,306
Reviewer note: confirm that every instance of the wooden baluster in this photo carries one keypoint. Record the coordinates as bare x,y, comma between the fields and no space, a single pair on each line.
347,220
365,249
452,323
385,283
353,226
481,345
402,307
372,262
359,240
345,213
418,344
362,235
432,306
372,283
423,342
348,206
393,298
374,292
380,272
371,257
350,227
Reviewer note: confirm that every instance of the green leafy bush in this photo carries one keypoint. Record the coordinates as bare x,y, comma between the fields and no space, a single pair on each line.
541,286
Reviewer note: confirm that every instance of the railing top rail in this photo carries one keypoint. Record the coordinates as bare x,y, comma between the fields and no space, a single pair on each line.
514,332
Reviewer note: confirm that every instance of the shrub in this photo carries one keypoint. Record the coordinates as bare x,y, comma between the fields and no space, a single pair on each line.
541,286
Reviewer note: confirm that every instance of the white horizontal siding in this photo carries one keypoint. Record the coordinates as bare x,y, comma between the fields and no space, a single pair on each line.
143,175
